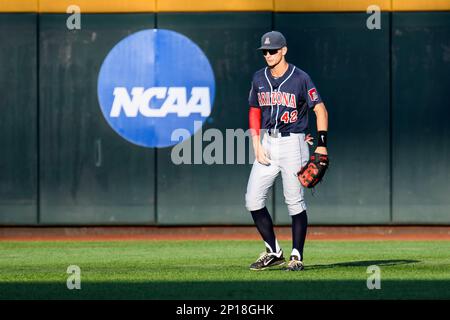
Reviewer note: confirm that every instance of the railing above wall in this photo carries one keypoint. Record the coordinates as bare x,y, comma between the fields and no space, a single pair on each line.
117,6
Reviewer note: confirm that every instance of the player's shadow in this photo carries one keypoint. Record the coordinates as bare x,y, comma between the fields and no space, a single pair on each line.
361,264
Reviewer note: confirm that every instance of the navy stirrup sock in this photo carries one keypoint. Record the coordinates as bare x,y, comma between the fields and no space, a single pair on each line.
264,224
299,228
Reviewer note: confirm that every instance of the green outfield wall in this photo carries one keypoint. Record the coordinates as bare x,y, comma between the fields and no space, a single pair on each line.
386,90
18,123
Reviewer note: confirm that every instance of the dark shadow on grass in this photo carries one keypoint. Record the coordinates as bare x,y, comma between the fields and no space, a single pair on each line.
365,263
295,288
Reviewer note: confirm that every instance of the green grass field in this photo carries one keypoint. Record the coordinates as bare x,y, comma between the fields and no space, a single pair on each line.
219,270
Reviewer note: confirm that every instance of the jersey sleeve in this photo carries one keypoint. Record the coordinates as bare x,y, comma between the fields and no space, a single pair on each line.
253,96
310,92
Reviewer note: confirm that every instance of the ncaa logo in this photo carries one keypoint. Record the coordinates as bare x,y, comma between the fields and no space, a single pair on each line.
152,83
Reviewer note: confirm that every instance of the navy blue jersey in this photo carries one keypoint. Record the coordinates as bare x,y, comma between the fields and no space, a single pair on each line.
284,101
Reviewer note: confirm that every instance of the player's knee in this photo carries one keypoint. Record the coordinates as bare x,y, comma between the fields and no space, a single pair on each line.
296,207
253,202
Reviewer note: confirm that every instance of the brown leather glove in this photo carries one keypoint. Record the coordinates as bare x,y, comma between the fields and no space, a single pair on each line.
314,170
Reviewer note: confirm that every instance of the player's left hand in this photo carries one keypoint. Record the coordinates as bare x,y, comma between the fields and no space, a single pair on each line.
321,150
309,139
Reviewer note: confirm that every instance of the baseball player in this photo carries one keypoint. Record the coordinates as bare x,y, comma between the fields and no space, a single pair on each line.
280,97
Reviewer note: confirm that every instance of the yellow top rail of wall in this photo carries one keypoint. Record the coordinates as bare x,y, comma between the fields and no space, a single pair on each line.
111,6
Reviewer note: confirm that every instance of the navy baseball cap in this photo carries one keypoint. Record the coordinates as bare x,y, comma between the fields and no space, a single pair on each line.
272,40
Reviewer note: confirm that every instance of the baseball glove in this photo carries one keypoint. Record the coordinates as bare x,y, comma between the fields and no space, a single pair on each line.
314,170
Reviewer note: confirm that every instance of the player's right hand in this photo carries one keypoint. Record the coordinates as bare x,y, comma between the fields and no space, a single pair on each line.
262,156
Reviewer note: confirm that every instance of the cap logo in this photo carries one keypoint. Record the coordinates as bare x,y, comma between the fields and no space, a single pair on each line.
267,41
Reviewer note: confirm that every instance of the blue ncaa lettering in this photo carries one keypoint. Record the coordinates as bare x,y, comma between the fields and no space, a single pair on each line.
152,83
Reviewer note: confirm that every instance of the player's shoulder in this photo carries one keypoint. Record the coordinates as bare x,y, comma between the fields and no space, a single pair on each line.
301,74
259,75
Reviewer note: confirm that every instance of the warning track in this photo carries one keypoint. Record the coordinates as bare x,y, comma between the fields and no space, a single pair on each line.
326,233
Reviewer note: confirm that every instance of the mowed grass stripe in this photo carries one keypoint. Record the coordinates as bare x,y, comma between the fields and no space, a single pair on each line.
219,270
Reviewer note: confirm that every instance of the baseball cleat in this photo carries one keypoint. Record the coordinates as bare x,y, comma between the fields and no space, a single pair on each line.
294,264
267,260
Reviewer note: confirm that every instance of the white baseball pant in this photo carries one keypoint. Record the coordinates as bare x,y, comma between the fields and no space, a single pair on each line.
288,155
